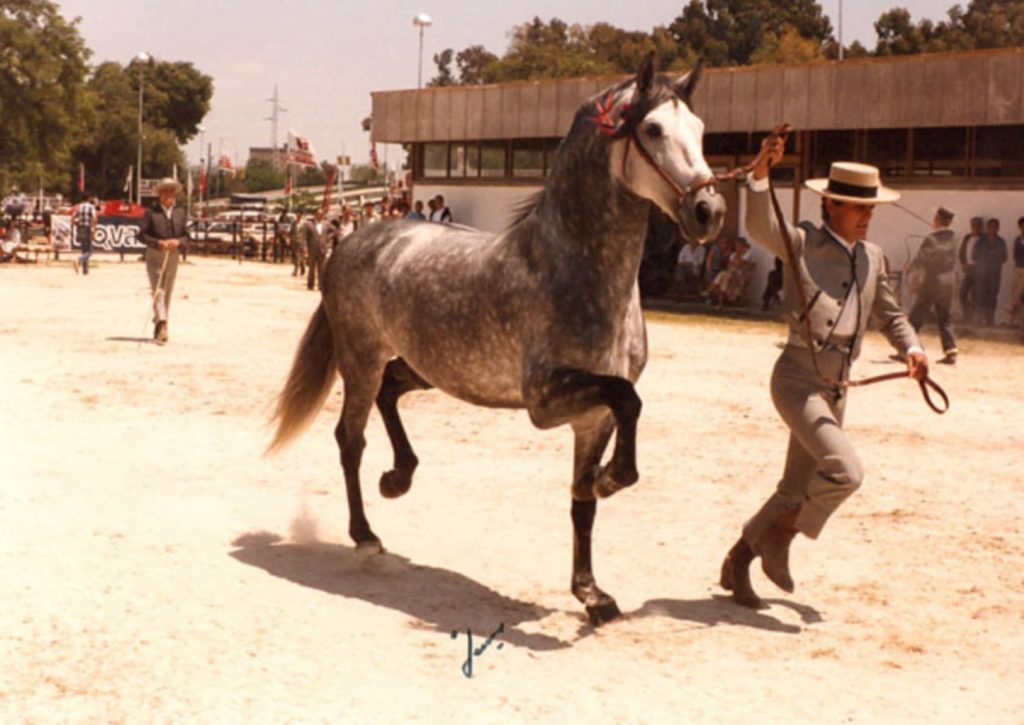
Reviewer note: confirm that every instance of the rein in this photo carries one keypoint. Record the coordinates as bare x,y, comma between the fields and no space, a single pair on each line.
926,383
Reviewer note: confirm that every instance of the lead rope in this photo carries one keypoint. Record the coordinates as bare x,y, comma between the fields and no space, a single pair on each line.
927,383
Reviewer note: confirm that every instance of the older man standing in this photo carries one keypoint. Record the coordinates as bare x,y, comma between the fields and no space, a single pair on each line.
314,238
164,233
936,262
843,277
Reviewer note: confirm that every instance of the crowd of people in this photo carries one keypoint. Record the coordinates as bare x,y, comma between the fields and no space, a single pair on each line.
718,273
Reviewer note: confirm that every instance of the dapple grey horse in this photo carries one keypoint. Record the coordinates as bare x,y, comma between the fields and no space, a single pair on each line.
545,316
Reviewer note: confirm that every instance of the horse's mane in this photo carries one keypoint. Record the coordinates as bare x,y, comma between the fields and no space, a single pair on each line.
523,208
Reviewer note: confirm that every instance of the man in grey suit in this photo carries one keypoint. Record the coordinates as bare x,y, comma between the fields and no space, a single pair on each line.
314,238
845,283
936,263
164,234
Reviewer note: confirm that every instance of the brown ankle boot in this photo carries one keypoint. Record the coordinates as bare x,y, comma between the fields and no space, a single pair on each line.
736,575
160,333
773,548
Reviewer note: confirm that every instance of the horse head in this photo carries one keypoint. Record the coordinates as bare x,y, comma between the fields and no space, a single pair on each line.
657,147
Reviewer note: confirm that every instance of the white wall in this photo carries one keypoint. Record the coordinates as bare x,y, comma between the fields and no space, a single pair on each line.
485,207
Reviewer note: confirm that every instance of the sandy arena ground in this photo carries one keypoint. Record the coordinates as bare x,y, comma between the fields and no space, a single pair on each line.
156,568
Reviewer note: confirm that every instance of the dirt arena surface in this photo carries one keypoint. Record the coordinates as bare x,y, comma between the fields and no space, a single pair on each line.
156,568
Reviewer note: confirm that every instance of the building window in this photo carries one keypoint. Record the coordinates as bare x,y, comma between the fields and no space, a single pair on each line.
435,160
998,151
829,146
528,158
940,151
887,149
492,159
464,160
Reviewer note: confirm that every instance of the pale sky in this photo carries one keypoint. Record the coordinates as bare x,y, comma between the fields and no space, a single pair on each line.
327,56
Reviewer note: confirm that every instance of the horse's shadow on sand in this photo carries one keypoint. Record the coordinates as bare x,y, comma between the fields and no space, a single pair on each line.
445,601
140,340
441,600
719,609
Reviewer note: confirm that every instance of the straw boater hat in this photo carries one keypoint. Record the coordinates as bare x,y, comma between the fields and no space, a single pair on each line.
854,183
168,183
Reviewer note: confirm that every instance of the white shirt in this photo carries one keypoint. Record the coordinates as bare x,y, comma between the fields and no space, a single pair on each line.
691,254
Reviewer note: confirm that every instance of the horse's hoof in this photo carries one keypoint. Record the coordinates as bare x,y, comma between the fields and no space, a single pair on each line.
369,546
395,483
609,482
603,612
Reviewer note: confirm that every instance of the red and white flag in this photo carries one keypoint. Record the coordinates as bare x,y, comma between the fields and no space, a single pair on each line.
81,178
202,179
300,150
225,165
374,161
288,183
128,183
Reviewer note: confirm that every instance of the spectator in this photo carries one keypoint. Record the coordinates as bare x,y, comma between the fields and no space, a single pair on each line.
441,212
298,249
417,212
989,257
936,261
11,241
314,235
716,259
690,270
730,284
85,227
370,215
1017,298
968,278
772,287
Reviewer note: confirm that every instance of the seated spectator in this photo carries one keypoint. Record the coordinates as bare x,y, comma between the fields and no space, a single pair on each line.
690,270
417,212
730,284
772,288
11,242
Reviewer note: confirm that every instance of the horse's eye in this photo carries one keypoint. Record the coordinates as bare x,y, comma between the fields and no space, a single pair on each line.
654,131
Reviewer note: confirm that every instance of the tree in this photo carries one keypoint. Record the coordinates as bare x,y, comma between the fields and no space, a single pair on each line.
260,175
108,134
42,75
730,32
476,65
984,24
443,61
790,47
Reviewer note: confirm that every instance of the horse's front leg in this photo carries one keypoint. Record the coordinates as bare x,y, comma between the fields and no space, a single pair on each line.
563,395
589,446
399,379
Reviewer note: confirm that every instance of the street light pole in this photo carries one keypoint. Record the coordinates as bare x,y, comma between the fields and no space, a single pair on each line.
143,58
840,29
421,21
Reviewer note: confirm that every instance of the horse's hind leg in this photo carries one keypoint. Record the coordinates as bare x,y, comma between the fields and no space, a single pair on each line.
360,391
590,445
399,379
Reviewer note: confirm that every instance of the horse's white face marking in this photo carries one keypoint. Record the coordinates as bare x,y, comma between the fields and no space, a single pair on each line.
672,135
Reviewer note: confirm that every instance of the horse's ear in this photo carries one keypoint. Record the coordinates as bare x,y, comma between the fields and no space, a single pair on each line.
685,86
645,77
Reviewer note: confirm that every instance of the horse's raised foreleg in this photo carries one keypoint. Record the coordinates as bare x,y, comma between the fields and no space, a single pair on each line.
399,379
360,392
590,445
566,394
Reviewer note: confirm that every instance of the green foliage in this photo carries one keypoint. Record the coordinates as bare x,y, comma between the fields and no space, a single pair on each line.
731,32
366,175
42,74
176,94
984,24
443,61
260,175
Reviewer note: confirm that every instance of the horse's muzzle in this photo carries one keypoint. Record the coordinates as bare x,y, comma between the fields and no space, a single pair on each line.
702,213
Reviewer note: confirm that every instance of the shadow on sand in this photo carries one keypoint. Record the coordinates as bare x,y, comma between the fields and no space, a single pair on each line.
722,610
139,340
442,600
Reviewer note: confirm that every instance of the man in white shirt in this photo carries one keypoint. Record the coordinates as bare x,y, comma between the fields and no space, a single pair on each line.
689,270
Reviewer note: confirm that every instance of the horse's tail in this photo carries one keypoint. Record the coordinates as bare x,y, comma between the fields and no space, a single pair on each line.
309,382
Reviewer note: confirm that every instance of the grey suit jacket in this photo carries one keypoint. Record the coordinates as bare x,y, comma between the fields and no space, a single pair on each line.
156,226
830,277
314,242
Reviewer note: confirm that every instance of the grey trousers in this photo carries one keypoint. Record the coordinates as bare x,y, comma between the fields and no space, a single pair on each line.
822,469
161,295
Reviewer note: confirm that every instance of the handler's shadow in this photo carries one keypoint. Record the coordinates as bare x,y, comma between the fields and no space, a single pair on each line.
140,340
722,610
443,600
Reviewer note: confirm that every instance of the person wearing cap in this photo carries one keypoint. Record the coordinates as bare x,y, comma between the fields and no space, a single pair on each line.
936,262
844,279
164,234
